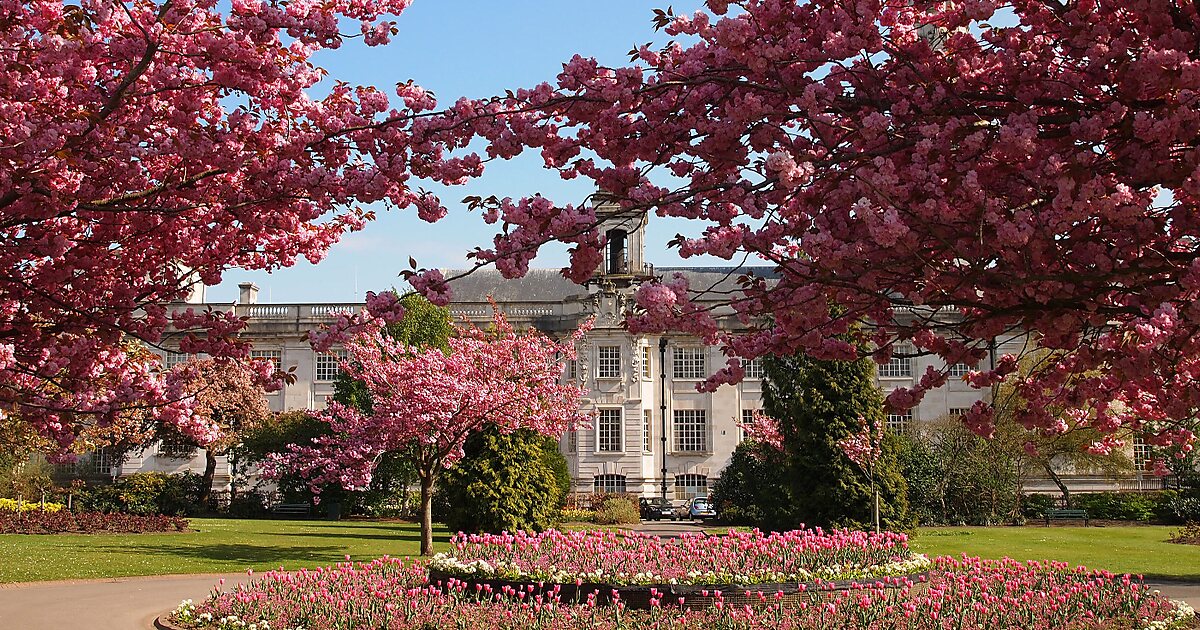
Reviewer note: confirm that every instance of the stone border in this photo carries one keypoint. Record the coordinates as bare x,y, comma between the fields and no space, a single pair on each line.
690,596
163,622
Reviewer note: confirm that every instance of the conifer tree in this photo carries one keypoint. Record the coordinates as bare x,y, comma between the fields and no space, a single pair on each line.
818,403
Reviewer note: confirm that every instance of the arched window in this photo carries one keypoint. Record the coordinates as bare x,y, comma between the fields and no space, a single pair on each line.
617,262
611,484
688,486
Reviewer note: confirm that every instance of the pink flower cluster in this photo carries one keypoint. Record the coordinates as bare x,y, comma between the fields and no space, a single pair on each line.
865,445
389,594
954,193
635,558
763,428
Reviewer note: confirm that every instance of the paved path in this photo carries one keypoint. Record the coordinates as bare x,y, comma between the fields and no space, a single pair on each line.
112,604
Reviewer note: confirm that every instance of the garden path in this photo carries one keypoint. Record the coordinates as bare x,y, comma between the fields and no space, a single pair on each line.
109,604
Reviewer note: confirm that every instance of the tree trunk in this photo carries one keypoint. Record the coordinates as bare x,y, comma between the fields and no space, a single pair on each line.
427,514
1062,487
210,473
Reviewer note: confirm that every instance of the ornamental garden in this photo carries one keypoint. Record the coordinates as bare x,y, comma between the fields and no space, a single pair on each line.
1008,191
797,580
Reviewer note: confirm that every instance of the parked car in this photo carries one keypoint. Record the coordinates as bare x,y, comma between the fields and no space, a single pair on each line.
656,508
699,508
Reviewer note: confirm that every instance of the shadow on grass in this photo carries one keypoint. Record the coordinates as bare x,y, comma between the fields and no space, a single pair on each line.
393,536
231,552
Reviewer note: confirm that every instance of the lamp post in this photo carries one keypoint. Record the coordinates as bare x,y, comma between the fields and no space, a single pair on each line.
662,407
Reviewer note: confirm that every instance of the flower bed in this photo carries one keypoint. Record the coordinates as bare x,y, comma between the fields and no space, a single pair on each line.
632,558
968,593
12,505
63,521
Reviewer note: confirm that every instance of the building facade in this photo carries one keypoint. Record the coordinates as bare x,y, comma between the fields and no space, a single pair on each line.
651,429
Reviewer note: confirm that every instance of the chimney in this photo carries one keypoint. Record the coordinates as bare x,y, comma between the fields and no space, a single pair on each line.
247,293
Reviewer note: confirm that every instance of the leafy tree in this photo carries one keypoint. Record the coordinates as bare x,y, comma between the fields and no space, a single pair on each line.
423,326
429,402
819,404
274,436
504,482
979,480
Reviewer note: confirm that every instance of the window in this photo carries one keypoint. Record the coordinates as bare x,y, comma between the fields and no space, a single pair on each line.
691,431
1141,454
102,461
754,368
647,433
611,484
900,365
958,370
747,419
572,441
646,363
689,362
328,364
609,365
172,358
689,486
959,411
608,431
899,422
572,370
274,356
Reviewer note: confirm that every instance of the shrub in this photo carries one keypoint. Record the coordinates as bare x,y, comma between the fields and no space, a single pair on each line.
618,510
1177,508
65,521
1187,535
504,483
1035,506
572,515
1118,506
146,494
753,489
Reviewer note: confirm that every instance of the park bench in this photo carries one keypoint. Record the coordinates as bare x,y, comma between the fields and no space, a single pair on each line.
291,509
1062,515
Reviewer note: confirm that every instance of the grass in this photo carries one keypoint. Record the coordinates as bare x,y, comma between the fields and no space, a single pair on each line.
1133,549
216,546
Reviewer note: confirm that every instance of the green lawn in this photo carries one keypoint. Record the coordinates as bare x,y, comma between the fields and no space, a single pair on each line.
216,546
1134,549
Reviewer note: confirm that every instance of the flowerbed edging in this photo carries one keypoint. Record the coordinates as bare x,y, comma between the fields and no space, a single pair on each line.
688,596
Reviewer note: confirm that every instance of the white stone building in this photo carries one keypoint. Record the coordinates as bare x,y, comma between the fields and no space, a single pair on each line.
648,416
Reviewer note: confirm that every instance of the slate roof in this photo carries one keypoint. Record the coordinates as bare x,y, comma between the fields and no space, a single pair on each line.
539,285
548,285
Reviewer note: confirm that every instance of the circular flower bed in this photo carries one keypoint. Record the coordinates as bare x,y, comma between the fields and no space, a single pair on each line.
389,594
631,558
693,570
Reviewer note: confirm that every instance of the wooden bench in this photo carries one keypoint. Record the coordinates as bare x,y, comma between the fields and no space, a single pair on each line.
1062,515
291,509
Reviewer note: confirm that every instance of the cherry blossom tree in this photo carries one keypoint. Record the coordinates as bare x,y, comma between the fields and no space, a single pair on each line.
952,172
226,395
152,144
427,402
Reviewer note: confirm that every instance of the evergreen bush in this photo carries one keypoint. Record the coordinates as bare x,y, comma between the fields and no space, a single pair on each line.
506,482
753,489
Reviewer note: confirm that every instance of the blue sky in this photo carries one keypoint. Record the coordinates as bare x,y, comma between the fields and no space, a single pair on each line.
467,48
